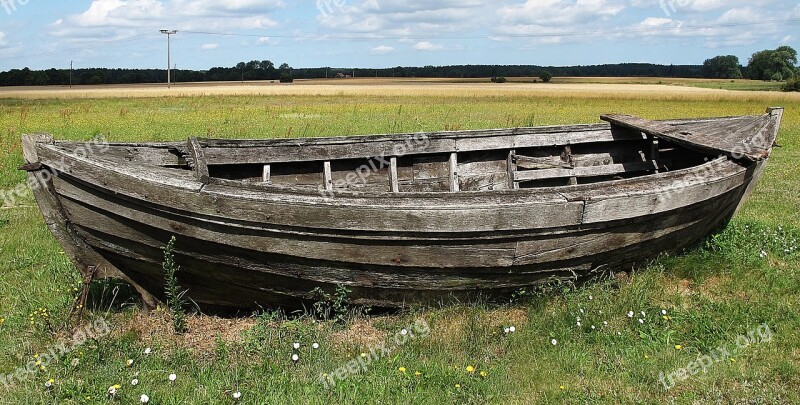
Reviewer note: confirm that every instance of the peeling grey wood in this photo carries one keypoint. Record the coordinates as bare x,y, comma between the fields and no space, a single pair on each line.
199,160
266,176
732,137
394,186
589,171
327,178
453,172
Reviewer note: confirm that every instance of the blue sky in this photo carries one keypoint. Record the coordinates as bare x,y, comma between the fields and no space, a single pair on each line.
385,33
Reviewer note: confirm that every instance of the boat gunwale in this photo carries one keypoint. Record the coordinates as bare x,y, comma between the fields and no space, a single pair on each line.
300,196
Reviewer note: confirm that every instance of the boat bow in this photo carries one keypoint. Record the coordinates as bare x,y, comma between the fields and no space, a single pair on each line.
749,137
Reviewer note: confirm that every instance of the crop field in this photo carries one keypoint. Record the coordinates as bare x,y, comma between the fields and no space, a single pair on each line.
718,323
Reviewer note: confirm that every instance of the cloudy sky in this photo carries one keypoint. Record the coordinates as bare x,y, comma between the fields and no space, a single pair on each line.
386,33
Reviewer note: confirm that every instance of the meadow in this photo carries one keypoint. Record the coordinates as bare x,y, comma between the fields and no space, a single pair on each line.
733,300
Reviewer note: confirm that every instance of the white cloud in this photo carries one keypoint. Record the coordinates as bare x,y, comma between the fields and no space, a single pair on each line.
550,21
559,13
265,41
118,18
2,38
428,46
409,18
209,47
786,40
381,50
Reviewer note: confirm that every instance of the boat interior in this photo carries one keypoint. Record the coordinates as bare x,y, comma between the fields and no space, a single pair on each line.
519,158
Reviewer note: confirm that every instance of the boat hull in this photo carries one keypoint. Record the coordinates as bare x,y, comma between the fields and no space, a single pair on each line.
250,247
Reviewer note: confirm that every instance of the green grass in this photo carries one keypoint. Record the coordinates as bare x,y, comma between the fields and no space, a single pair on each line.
743,277
740,85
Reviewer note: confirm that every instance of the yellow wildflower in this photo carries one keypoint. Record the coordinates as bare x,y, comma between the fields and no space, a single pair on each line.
470,369
402,369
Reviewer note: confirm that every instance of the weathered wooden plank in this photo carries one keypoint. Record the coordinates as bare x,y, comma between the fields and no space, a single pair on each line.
149,155
327,178
655,152
199,160
484,182
660,199
735,138
511,168
221,152
266,177
567,155
536,163
593,171
457,254
585,245
393,179
453,175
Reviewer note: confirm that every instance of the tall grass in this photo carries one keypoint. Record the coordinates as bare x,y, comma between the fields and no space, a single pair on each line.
745,276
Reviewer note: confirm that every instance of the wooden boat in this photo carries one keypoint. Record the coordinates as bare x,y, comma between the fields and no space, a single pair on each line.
397,219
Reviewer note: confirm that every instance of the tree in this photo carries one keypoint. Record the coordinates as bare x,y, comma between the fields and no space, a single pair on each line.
286,78
545,76
285,67
773,64
722,67
793,84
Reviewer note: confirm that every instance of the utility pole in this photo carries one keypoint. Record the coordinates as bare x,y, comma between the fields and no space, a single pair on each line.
169,62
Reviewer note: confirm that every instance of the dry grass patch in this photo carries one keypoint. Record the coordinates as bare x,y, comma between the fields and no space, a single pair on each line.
360,333
203,332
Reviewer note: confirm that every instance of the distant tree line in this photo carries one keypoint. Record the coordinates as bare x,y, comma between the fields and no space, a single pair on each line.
254,70
266,70
778,65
